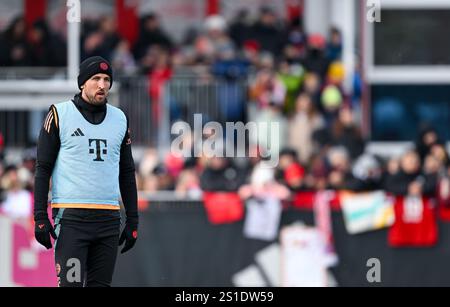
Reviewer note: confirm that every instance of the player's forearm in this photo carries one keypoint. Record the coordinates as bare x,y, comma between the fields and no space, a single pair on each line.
47,152
41,188
127,183
129,195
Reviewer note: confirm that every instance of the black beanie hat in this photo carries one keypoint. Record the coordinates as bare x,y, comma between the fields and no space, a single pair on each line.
94,65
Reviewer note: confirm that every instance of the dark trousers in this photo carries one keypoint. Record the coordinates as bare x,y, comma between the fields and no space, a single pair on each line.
86,252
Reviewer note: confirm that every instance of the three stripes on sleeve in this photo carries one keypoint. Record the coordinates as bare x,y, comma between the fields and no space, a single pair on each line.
52,115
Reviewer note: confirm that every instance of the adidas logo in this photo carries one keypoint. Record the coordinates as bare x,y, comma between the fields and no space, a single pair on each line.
78,132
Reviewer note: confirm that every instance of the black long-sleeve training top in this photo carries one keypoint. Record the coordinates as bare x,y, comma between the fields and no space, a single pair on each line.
47,153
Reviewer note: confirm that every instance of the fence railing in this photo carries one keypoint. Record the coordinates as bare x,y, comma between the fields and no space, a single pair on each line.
151,116
33,73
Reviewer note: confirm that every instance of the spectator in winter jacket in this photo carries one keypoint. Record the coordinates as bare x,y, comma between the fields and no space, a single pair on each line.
291,76
221,175
47,48
339,174
367,172
15,49
102,40
151,34
440,153
289,170
316,61
18,201
263,184
344,133
239,30
334,46
271,37
302,125
427,138
410,180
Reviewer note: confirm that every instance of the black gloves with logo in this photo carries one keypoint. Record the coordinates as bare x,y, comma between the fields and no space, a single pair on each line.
43,229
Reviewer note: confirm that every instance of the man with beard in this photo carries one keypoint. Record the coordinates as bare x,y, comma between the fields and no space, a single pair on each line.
85,147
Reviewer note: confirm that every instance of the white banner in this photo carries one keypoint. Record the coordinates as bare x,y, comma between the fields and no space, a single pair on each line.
367,211
263,219
303,257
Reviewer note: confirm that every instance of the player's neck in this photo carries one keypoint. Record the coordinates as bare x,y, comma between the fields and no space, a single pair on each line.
85,105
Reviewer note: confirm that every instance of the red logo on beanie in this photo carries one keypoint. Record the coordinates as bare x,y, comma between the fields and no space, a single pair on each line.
135,234
104,66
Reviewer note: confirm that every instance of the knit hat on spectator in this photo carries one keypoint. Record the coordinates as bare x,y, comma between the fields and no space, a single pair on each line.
251,45
293,173
215,23
92,66
261,175
316,41
336,73
331,98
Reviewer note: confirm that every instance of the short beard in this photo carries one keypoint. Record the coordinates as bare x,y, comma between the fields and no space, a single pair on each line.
93,101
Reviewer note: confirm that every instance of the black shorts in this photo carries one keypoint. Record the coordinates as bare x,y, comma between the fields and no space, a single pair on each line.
86,248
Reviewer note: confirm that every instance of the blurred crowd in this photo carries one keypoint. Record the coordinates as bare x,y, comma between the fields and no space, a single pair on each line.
37,45
16,185
336,161
295,79
241,41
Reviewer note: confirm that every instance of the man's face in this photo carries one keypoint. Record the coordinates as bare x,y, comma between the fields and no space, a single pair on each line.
96,89
410,163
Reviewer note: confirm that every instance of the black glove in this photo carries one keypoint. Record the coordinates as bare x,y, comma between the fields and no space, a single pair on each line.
129,234
43,229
